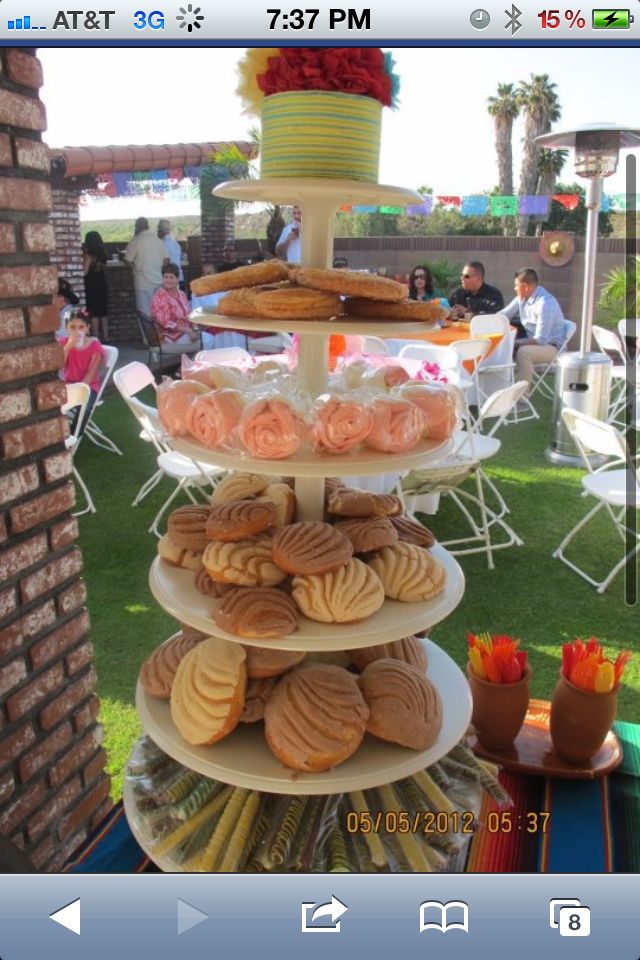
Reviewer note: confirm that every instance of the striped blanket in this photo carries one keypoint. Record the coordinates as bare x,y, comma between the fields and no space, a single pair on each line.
593,827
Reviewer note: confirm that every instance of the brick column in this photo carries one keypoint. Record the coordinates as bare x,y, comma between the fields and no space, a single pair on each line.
53,788
66,256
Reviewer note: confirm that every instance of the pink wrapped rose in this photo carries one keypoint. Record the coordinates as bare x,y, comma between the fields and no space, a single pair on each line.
397,425
213,418
174,397
270,429
438,403
340,425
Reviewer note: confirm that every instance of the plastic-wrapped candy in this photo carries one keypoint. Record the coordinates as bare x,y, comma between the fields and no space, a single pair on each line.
397,425
213,418
386,376
212,375
271,428
439,404
174,397
340,423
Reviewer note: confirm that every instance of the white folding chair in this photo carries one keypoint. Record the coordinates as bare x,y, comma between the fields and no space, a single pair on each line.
629,327
610,343
375,346
431,353
92,431
473,351
542,370
77,399
191,475
446,477
495,371
615,486
230,355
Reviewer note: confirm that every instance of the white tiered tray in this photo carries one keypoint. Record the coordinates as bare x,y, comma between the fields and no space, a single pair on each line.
391,329
323,189
243,759
175,591
309,464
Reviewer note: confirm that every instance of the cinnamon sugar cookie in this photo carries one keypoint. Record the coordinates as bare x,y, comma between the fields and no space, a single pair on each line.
353,283
267,271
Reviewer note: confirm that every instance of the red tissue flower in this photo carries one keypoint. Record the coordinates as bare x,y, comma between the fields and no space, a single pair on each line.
354,70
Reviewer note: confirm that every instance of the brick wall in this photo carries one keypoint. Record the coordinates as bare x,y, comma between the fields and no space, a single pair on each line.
53,788
66,256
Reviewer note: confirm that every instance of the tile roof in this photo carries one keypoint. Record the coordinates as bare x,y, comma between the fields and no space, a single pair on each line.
80,161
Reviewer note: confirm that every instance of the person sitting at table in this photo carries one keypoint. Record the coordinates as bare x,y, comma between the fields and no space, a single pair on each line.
421,286
170,309
475,296
542,319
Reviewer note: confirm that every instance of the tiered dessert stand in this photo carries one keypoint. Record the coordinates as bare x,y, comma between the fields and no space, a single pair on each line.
243,759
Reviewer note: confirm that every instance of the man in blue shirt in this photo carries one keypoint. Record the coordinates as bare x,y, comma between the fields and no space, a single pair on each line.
540,315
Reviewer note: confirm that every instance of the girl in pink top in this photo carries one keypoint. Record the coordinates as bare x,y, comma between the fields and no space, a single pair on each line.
83,357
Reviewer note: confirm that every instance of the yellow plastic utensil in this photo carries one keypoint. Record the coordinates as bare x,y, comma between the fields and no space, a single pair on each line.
475,658
605,678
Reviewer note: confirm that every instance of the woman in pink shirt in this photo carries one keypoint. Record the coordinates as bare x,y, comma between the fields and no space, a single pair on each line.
83,357
170,309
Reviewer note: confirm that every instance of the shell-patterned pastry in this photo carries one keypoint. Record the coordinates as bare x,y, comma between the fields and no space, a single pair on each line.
315,718
368,533
409,650
209,587
347,595
264,662
284,499
255,699
405,707
239,520
409,573
311,547
207,696
178,556
245,563
159,669
240,486
349,502
412,531
255,612
186,526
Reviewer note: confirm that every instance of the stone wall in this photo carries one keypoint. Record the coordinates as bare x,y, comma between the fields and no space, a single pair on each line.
53,788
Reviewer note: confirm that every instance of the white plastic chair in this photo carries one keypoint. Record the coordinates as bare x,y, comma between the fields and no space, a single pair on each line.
224,355
375,346
473,350
191,475
629,327
610,343
542,370
617,491
77,398
431,353
92,431
446,477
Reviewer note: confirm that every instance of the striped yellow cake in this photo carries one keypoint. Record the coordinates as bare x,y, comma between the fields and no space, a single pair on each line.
319,134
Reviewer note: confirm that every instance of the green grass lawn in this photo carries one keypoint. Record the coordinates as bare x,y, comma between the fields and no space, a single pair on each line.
529,595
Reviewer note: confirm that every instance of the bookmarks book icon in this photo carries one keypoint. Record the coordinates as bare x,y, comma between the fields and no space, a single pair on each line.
190,17
452,915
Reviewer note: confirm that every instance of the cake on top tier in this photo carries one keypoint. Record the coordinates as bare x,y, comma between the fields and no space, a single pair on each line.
321,109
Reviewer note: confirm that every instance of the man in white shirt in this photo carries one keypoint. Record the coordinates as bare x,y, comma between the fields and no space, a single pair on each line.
541,316
289,246
174,251
146,253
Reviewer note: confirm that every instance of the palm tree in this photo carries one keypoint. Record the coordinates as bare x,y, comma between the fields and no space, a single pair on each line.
218,214
541,106
504,108
550,164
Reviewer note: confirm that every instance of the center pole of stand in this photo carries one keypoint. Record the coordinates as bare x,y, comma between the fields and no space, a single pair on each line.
313,350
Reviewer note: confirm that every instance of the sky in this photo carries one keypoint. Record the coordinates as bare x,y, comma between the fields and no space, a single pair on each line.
440,136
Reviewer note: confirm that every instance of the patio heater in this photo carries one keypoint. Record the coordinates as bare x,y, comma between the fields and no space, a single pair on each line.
583,379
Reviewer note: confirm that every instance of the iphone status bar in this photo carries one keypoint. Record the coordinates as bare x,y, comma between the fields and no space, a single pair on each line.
40,23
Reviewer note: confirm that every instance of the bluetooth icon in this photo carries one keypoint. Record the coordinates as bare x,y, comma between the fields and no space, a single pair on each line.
513,20
190,17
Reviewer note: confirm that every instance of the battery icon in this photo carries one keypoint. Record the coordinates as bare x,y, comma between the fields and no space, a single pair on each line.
612,19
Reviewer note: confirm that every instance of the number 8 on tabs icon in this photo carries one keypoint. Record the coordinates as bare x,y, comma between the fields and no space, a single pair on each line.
570,918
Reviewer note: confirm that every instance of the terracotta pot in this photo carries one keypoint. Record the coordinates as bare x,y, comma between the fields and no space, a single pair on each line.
580,720
499,709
